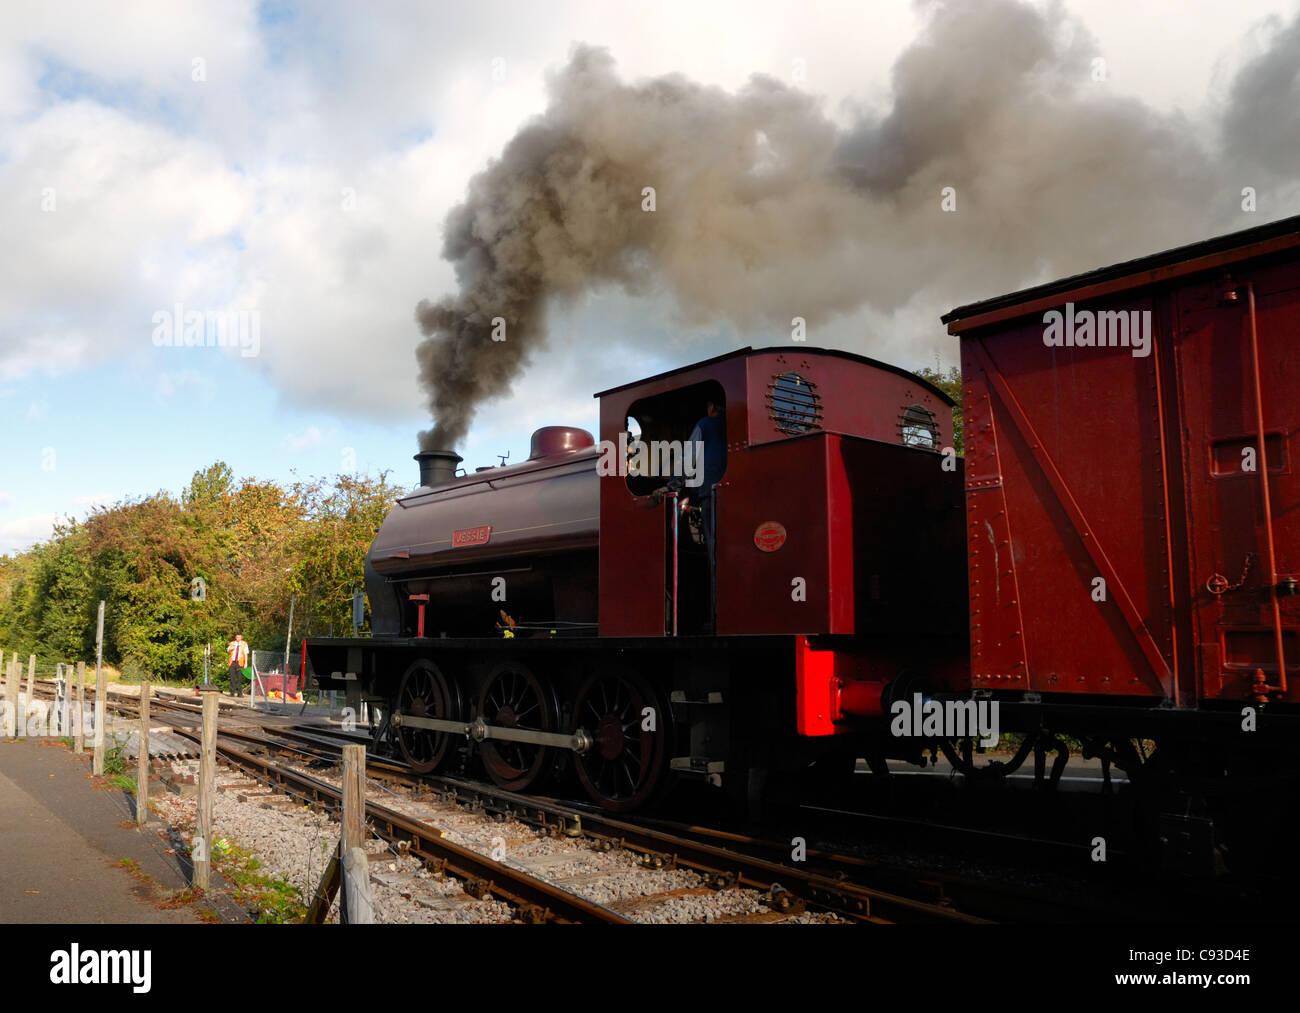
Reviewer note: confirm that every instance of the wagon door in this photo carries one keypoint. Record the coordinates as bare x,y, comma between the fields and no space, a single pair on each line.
1237,372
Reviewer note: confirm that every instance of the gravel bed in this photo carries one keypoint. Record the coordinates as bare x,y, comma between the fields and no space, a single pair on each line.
294,843
614,879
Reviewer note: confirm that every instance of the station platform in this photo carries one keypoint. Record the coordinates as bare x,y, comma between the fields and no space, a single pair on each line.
70,851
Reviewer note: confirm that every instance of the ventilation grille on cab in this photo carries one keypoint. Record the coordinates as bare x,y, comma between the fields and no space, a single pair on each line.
793,403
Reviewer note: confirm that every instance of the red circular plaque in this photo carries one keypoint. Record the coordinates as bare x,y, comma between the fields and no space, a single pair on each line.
769,536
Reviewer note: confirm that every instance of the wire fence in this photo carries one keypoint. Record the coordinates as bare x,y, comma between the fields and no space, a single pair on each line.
282,687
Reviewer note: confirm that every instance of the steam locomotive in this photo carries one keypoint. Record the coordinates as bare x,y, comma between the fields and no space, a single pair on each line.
1114,558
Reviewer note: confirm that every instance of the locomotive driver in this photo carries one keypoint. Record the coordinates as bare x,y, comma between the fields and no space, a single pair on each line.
710,436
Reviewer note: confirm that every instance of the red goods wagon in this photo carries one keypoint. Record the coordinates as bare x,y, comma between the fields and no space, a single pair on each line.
1132,500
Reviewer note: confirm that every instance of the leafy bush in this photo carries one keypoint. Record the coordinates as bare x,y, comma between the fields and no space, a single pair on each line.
177,573
133,670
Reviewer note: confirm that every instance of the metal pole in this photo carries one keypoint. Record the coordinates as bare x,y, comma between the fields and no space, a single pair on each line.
98,766
675,512
256,681
288,634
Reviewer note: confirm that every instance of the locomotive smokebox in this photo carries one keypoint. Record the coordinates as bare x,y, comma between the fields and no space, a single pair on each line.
437,466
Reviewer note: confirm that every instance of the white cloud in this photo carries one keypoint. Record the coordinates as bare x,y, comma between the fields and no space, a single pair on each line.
22,533
305,440
229,192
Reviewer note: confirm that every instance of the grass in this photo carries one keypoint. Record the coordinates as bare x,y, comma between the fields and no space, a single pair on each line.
115,760
133,867
169,899
113,676
121,782
115,769
273,901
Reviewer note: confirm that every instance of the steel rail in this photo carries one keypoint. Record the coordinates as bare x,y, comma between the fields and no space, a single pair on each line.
721,867
728,867
535,899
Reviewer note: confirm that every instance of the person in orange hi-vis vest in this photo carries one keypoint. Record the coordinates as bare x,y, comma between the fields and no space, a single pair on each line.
237,651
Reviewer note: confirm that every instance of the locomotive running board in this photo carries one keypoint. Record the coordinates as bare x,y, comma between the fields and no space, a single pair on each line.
478,730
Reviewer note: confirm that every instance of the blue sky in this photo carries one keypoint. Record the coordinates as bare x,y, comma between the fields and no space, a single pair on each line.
298,160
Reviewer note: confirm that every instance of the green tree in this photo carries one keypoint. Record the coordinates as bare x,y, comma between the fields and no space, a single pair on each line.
252,544
330,552
949,381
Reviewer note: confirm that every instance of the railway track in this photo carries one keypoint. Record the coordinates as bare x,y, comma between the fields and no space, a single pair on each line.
534,899
852,887
823,884
677,844
727,861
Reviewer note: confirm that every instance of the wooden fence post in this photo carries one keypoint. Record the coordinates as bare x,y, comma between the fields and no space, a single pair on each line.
15,693
56,721
80,723
98,766
202,850
31,684
323,899
65,712
354,798
353,826
356,888
11,701
142,767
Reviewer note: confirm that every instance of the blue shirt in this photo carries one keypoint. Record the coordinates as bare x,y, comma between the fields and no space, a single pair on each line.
711,431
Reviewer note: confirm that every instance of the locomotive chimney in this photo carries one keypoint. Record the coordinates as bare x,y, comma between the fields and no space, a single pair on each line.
437,466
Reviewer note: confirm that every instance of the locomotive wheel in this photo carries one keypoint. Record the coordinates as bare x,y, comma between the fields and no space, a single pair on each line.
425,692
515,698
626,760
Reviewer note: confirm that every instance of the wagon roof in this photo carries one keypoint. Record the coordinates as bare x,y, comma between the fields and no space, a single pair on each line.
1156,267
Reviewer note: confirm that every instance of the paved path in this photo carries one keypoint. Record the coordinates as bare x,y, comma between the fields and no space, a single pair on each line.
61,845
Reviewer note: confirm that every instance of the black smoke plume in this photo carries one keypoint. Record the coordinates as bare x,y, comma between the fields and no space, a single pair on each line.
767,210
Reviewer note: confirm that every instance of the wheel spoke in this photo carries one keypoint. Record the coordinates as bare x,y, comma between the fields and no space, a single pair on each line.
423,692
514,691
625,763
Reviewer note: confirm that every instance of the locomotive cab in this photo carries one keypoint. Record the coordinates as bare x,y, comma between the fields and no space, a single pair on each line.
827,454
